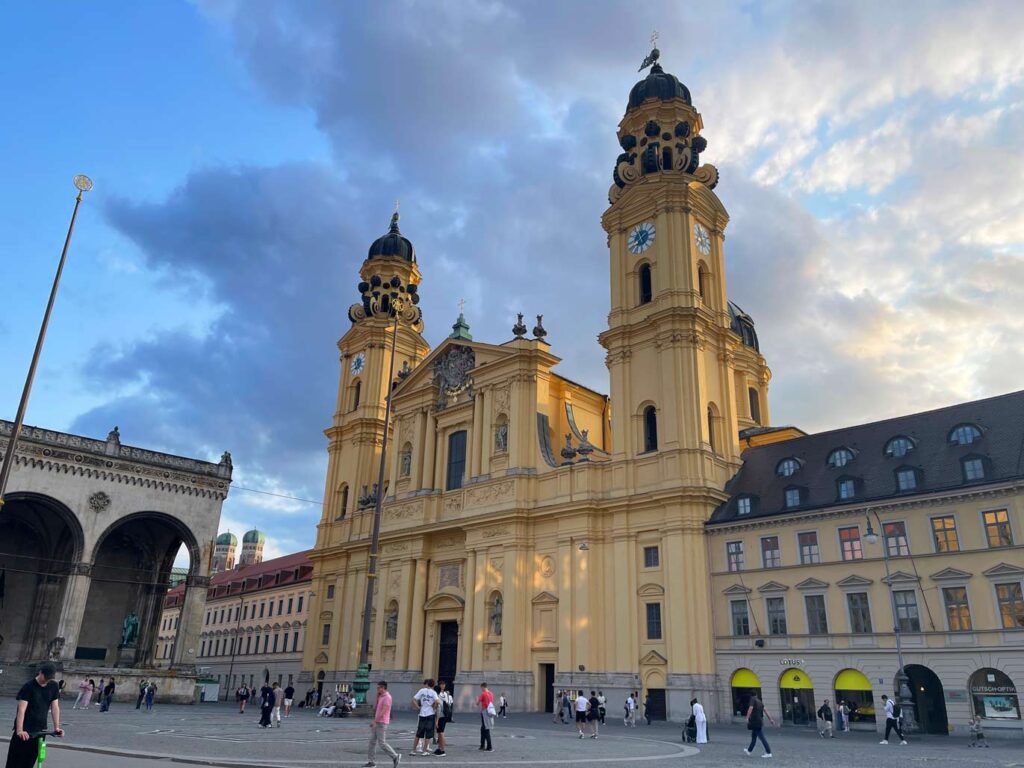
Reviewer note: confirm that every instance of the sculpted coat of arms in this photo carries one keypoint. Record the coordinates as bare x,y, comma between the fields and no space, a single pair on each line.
451,375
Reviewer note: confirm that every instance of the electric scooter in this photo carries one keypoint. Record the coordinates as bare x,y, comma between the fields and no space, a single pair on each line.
41,735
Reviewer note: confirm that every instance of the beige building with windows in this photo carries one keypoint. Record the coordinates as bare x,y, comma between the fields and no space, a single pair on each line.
540,535
804,609
254,626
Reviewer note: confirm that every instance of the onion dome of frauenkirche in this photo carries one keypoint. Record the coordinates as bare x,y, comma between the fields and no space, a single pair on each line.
392,244
254,537
228,538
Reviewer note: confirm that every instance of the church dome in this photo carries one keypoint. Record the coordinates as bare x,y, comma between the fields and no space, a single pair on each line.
228,538
254,537
392,244
658,84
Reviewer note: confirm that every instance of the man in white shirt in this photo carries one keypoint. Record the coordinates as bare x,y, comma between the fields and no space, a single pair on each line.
630,719
427,702
892,720
581,712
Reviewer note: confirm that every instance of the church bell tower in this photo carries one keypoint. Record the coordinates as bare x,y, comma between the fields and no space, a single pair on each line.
671,340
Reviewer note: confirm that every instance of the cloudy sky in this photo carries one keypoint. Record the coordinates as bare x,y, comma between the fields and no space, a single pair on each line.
246,153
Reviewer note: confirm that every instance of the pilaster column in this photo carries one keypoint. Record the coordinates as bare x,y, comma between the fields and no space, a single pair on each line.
468,639
487,441
479,627
474,457
438,480
187,639
429,444
72,610
419,595
417,447
404,614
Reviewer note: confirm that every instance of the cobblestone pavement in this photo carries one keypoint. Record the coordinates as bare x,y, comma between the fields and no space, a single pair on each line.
216,735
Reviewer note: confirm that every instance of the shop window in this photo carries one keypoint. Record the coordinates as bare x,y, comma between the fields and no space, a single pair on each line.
997,528
809,552
944,533
907,616
850,544
456,460
775,608
817,616
734,555
745,684
646,289
740,618
854,689
958,612
650,429
860,613
993,695
1011,605
895,535
797,697
771,555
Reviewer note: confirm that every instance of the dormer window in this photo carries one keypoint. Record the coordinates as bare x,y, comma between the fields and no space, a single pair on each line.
840,457
743,505
898,447
906,479
794,497
964,434
847,488
973,468
787,467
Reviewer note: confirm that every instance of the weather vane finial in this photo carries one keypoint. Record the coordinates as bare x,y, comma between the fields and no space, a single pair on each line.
395,217
652,57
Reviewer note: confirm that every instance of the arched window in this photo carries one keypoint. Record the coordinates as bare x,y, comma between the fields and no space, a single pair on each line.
964,434
755,404
712,427
650,428
356,391
702,280
646,291
899,446
787,467
342,501
993,695
840,457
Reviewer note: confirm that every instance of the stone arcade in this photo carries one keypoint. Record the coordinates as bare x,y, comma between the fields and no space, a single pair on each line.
88,535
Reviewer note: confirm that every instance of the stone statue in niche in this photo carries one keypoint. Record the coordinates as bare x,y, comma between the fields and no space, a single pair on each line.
496,611
391,625
501,438
405,464
130,629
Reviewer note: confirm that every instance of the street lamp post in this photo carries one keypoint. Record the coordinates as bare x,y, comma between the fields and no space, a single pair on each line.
903,692
236,644
361,684
82,184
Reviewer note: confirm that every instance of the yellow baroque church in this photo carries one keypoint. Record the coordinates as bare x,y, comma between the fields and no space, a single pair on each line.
537,534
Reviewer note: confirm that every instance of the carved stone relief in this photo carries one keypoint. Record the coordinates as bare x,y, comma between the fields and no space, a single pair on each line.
489,494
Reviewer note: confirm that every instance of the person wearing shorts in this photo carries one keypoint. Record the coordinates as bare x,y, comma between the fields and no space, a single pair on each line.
427,702
444,714
289,697
581,712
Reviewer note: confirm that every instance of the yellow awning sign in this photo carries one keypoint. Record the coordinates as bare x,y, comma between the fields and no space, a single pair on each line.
795,678
744,678
852,680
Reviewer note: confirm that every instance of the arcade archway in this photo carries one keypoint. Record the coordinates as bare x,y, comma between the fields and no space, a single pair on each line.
41,545
929,699
130,575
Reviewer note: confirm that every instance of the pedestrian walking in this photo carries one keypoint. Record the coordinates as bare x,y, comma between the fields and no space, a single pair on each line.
977,733
242,697
85,689
893,713
557,709
581,705
289,697
427,702
825,715
486,702
601,708
150,695
700,721
756,713
568,699
630,719
99,692
278,698
143,684
593,713
647,708
37,699
108,695
266,705
379,728
503,706
444,717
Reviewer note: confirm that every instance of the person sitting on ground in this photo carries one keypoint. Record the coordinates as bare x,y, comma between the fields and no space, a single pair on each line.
327,710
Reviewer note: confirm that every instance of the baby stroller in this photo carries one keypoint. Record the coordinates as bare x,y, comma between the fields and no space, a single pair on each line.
690,731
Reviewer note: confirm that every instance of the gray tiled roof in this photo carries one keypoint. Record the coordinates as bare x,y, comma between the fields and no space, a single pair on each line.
936,460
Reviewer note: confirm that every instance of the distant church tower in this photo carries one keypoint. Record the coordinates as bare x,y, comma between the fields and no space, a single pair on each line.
252,547
224,552
388,273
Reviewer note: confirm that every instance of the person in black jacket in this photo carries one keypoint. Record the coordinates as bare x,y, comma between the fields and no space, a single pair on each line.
825,715
266,705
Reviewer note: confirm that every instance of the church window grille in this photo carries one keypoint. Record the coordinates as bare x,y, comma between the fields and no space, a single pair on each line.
964,434
456,460
899,446
702,281
646,289
650,429
755,404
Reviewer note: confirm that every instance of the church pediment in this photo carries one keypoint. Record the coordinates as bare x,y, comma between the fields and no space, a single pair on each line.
737,589
544,598
653,658
651,590
901,577
321,658
812,583
772,586
422,375
444,600
854,581
951,574
1004,569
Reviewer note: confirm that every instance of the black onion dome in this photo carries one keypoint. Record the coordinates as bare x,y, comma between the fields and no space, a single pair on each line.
742,325
393,244
659,84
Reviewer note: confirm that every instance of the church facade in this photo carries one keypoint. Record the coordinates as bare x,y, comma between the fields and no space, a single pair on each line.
536,534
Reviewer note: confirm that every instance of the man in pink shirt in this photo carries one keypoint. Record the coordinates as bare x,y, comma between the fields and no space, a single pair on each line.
379,728
486,702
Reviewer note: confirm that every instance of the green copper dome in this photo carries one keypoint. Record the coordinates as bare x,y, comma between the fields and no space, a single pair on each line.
254,537
228,538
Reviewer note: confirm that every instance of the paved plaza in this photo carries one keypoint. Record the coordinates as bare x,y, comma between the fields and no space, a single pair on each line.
216,735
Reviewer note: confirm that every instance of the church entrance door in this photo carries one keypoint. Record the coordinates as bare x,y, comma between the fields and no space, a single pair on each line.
448,653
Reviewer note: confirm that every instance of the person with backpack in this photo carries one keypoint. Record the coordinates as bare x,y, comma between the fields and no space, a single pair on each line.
444,717
893,712
825,715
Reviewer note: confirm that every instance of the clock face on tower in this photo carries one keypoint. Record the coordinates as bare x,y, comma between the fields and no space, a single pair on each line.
641,237
358,362
702,238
